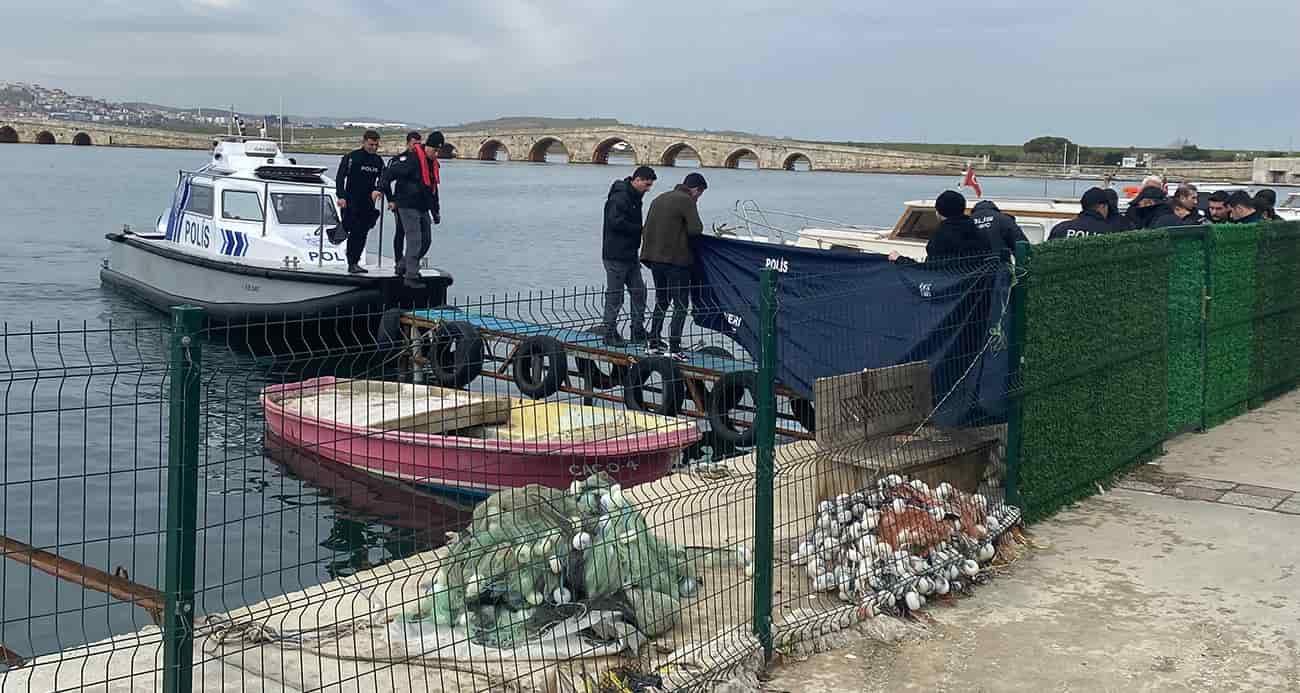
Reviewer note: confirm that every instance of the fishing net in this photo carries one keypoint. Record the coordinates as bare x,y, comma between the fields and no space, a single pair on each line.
891,546
535,557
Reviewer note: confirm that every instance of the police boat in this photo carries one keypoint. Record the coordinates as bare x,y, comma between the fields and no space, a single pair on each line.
247,238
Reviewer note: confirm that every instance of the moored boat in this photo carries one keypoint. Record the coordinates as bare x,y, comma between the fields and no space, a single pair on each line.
246,238
469,442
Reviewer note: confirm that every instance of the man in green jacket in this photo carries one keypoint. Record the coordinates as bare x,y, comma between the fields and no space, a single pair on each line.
666,250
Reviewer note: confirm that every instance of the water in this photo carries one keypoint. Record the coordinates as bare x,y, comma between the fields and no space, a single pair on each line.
83,451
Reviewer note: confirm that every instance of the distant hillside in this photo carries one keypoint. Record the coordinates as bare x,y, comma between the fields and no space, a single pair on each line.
534,122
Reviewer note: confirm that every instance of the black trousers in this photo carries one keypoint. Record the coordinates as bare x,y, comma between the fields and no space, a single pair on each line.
359,216
672,286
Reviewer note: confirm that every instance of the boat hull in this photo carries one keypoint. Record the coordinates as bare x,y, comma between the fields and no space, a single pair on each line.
234,293
473,465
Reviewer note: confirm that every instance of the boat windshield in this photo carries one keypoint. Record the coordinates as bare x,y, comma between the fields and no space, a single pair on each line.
304,208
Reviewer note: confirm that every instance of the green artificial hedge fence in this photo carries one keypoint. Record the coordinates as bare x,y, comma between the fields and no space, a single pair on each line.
1094,367
1275,352
1186,355
1229,329
1130,338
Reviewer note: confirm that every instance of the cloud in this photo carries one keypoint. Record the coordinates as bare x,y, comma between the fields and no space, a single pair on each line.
1001,70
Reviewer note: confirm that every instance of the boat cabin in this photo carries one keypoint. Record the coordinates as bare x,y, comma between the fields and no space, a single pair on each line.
253,205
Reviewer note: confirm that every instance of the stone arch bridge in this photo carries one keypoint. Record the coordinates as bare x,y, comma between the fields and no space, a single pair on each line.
662,147
80,133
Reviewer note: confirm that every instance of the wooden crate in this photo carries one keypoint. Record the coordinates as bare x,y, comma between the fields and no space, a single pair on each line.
876,424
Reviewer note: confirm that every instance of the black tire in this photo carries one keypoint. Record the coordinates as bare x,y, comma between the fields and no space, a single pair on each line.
726,394
590,371
674,394
541,366
390,328
597,379
804,413
455,354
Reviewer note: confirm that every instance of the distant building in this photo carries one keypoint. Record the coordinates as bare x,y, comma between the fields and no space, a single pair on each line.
1276,171
372,126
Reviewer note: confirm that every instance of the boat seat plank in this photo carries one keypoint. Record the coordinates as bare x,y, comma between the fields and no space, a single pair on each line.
391,406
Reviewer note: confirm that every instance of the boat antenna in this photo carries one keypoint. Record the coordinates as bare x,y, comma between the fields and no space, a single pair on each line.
282,120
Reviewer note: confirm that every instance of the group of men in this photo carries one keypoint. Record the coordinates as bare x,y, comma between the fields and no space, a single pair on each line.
662,243
1153,209
987,230
409,181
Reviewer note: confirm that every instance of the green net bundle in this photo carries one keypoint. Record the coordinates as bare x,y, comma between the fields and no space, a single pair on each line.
531,554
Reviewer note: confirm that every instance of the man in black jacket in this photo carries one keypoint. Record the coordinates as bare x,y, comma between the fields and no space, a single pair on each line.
1183,211
1091,221
620,246
410,182
1002,229
357,188
1149,205
1217,208
1118,221
1243,208
957,236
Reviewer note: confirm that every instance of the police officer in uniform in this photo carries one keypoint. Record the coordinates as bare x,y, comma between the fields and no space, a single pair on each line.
411,184
1090,222
1001,227
357,187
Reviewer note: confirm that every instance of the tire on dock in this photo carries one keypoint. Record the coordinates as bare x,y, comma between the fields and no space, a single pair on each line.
804,413
726,394
674,389
455,353
541,366
597,379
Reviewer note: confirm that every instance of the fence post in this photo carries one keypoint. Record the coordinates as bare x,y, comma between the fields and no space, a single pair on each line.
1206,295
182,498
764,456
1015,384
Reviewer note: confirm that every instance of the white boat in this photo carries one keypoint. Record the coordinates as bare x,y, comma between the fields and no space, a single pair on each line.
908,235
1289,208
245,238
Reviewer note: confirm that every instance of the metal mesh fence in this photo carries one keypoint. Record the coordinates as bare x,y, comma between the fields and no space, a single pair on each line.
496,495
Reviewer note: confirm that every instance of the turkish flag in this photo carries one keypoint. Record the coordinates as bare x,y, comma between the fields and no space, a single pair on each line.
970,181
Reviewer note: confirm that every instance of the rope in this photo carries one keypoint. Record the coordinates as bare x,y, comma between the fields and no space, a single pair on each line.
996,335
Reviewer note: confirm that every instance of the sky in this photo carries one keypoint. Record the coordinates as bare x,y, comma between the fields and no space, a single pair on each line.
976,71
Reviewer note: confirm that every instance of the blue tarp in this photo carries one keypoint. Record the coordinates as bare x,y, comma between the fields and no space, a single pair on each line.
840,312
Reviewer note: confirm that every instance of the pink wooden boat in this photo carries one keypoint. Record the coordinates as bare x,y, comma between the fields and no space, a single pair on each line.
473,443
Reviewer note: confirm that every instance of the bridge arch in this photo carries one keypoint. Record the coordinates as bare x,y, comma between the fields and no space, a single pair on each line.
82,139
797,161
8,135
45,137
680,150
547,145
735,158
492,150
603,150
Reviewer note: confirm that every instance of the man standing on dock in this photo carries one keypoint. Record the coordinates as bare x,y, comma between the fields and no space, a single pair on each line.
409,181
357,188
620,242
670,224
